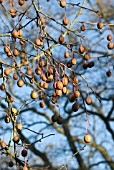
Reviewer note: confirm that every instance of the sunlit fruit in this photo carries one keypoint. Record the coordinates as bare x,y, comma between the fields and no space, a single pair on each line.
14,110
73,61
61,39
16,52
65,21
100,25
110,45
77,93
58,92
109,37
72,98
87,138
34,95
63,3
3,144
66,54
42,104
7,72
15,76
7,119
19,126
83,27
15,34
7,48
86,56
81,49
21,2
20,33
65,81
16,139
20,82
88,101
59,85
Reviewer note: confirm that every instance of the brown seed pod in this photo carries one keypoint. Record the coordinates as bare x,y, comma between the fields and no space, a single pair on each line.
44,78
65,81
83,27
61,39
110,45
88,101
15,76
10,164
19,126
63,3
38,71
24,153
9,54
16,139
6,48
7,72
29,71
81,49
75,107
34,95
22,60
109,37
91,64
59,120
69,64
86,56
55,85
87,138
11,99
100,25
59,85
41,84
72,98
13,13
15,34
20,33
50,77
20,82
41,63
54,118
42,20
42,104
75,80
45,85
37,42
16,52
7,119
54,94
77,93
58,92
73,61
65,90
65,21
66,54
3,144
22,42
108,73
21,2
2,87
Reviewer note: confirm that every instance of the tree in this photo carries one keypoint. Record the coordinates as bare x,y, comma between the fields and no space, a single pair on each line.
56,76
